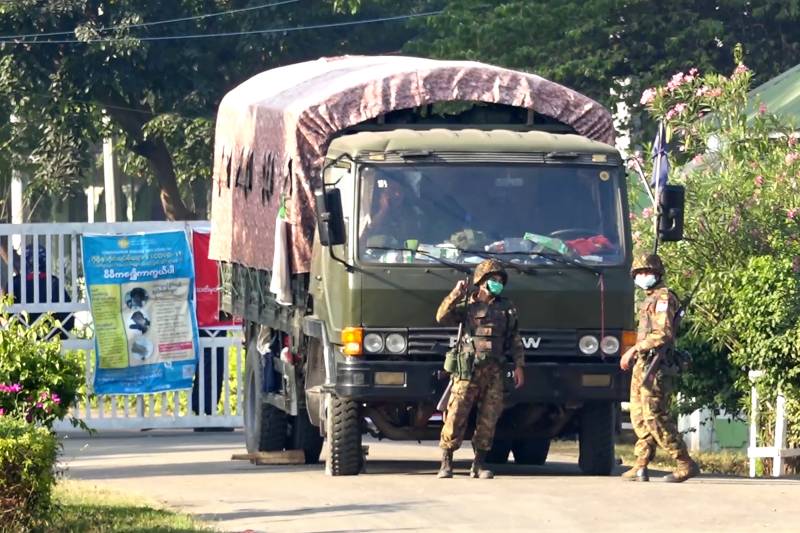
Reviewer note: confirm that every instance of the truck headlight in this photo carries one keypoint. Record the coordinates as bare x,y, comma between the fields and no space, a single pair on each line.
588,345
609,345
395,343
373,342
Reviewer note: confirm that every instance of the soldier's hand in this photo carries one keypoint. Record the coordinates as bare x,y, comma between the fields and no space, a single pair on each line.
627,358
519,377
460,288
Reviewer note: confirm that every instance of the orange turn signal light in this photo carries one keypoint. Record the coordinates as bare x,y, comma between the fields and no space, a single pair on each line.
628,340
352,339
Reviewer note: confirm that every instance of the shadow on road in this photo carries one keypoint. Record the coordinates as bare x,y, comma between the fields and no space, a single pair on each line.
150,443
303,512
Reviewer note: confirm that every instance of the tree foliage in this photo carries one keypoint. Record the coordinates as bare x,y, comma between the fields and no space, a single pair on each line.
594,45
742,242
158,96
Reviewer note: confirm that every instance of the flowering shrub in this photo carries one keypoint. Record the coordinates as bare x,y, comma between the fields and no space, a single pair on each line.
741,169
37,382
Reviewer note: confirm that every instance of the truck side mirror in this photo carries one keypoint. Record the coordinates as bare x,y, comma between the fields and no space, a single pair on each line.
671,203
330,221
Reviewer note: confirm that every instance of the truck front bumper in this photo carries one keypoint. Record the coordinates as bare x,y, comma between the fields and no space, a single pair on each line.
557,383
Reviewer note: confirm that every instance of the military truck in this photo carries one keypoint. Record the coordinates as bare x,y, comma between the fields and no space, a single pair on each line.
393,177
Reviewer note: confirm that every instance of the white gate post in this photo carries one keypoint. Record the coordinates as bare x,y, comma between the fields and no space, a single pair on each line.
780,435
109,180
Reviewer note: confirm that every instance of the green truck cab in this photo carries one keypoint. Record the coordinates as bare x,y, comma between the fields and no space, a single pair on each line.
403,210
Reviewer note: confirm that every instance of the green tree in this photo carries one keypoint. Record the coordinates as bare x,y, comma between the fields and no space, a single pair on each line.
742,245
158,96
591,45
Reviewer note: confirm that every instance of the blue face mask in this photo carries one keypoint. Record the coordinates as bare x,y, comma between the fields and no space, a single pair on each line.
494,287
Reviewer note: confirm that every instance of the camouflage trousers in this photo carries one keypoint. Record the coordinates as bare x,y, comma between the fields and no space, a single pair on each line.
652,423
485,388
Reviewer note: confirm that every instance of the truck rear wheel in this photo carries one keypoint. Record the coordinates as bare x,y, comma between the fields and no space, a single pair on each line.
498,455
531,451
305,436
343,431
596,438
265,425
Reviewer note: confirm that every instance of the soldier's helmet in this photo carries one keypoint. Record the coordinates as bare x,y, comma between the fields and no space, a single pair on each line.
486,268
648,262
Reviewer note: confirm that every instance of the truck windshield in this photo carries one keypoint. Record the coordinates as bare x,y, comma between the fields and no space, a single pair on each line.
525,212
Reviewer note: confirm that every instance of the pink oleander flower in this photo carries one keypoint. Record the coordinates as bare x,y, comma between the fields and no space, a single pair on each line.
55,399
702,90
647,212
759,181
792,139
2,411
648,96
791,214
675,111
698,159
741,68
693,72
39,405
791,157
762,108
631,216
676,81
714,93
12,389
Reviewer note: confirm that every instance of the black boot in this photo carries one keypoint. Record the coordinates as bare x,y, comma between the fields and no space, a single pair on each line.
479,469
446,470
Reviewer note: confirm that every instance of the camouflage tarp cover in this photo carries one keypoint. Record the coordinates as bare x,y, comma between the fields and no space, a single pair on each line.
273,131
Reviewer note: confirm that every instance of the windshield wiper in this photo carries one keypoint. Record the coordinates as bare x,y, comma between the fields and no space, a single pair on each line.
522,269
557,257
457,266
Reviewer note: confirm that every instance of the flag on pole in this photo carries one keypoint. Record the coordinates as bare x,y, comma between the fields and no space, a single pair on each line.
660,160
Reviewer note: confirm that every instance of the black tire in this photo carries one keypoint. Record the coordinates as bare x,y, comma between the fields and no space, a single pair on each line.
596,438
531,451
265,425
498,455
305,436
344,438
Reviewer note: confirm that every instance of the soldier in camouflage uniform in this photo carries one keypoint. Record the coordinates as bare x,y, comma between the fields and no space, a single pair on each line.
649,405
491,332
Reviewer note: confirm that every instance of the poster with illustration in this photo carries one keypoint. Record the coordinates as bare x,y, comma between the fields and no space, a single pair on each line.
141,294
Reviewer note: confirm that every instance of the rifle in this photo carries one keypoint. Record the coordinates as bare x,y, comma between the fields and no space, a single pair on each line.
655,361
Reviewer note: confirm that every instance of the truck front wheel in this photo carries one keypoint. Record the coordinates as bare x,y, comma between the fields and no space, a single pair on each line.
596,438
531,451
498,455
265,426
343,431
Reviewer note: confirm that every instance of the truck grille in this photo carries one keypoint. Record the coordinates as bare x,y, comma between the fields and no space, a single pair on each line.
429,344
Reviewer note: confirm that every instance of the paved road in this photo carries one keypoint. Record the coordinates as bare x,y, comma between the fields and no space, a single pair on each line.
193,472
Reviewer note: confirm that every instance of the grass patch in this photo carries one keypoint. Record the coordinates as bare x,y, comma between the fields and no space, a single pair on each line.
81,507
730,463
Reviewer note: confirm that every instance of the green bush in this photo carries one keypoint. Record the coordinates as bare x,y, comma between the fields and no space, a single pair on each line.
27,473
37,382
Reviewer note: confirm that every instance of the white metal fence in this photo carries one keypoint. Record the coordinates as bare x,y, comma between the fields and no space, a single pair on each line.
58,286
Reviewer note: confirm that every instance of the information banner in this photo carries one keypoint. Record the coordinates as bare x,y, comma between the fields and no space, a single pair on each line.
141,294
209,289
